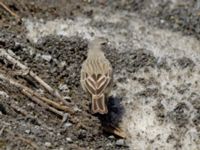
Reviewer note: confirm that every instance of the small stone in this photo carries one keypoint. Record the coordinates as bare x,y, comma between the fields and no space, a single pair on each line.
120,142
76,109
162,21
62,64
47,144
111,137
69,140
68,124
58,134
46,57
109,144
28,131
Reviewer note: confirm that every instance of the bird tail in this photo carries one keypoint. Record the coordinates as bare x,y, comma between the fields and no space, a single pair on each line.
99,104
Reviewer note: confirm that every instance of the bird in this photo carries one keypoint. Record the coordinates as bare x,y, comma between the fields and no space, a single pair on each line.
97,76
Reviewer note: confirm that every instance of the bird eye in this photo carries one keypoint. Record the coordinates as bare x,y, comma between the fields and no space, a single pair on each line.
103,43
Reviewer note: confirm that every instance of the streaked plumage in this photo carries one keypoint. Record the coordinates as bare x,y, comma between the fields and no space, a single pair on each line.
96,76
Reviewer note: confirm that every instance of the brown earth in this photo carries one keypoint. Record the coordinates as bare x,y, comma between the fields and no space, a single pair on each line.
40,126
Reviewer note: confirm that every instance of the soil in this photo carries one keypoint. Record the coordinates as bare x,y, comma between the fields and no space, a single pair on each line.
57,60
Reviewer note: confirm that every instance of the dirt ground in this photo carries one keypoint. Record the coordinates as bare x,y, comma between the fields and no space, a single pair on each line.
57,59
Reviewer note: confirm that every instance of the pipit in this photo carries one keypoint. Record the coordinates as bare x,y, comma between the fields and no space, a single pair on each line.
96,76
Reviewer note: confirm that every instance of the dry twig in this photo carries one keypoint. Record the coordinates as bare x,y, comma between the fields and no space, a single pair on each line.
55,93
38,101
8,10
37,98
20,110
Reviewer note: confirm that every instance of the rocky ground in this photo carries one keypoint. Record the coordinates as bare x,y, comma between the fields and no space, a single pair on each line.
154,49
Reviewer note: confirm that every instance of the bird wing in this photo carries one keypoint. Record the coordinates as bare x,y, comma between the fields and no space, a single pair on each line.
96,84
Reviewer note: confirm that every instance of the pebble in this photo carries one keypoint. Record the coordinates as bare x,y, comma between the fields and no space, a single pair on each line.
47,144
69,140
68,124
76,109
62,64
27,131
46,57
111,137
120,142
109,144
162,21
58,134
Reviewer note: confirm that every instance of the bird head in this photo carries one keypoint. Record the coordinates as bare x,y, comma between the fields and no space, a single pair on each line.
97,43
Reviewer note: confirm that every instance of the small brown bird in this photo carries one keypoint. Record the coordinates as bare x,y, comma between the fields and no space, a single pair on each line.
96,76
